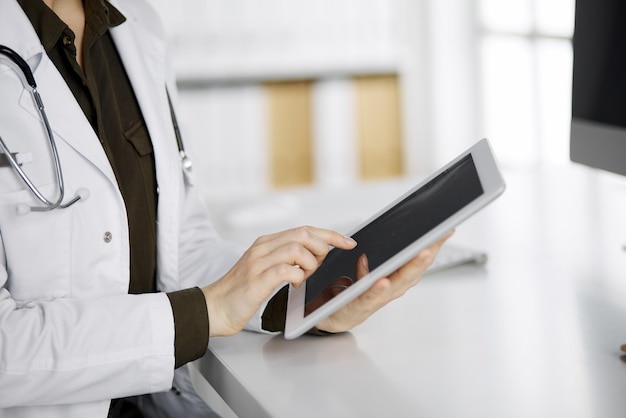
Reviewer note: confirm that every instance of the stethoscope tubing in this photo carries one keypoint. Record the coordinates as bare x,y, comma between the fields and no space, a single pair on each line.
56,161
82,193
30,79
19,61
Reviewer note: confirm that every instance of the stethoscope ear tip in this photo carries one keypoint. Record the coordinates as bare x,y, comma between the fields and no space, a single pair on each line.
22,209
83,193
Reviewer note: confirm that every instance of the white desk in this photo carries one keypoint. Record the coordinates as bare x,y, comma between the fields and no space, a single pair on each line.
534,333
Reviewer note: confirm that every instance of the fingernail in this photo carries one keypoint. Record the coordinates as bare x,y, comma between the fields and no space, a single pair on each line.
350,241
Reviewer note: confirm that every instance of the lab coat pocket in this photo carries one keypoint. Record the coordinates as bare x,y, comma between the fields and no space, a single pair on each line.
36,247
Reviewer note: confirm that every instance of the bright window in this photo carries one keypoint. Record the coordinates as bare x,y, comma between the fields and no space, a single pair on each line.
526,61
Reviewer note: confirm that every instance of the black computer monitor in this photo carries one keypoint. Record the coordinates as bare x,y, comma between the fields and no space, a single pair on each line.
598,131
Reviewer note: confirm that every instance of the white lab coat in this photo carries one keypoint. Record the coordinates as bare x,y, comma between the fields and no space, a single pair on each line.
71,338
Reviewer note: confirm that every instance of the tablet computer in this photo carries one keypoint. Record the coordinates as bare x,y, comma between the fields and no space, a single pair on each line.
396,234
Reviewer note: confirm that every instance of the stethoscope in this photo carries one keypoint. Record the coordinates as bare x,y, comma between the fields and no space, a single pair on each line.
26,75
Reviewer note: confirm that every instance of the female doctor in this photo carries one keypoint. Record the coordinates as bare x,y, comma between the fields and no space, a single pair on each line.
113,278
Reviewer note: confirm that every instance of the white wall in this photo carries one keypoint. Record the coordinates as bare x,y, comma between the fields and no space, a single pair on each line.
440,73
222,51
468,69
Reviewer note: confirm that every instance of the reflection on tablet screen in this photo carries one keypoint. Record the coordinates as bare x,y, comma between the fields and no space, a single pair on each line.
395,230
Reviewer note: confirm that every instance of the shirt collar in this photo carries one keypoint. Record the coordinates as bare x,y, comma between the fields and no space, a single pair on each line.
100,15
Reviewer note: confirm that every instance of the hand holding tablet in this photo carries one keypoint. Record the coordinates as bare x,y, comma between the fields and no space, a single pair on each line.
284,257
381,292
390,241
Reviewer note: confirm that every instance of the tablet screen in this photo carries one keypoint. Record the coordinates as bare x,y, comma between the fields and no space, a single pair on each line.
395,230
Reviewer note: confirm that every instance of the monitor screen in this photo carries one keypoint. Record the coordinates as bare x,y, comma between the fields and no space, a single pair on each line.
598,130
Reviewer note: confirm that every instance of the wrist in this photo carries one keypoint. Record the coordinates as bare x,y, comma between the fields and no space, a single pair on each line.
217,323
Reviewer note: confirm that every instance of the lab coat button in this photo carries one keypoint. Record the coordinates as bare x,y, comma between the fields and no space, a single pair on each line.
108,237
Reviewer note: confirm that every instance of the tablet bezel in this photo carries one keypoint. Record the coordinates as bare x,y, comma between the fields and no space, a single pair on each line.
493,185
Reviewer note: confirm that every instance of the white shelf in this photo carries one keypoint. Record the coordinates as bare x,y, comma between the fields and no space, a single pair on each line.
197,69
218,41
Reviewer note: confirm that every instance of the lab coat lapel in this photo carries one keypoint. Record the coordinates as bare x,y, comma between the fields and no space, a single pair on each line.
143,56
66,118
